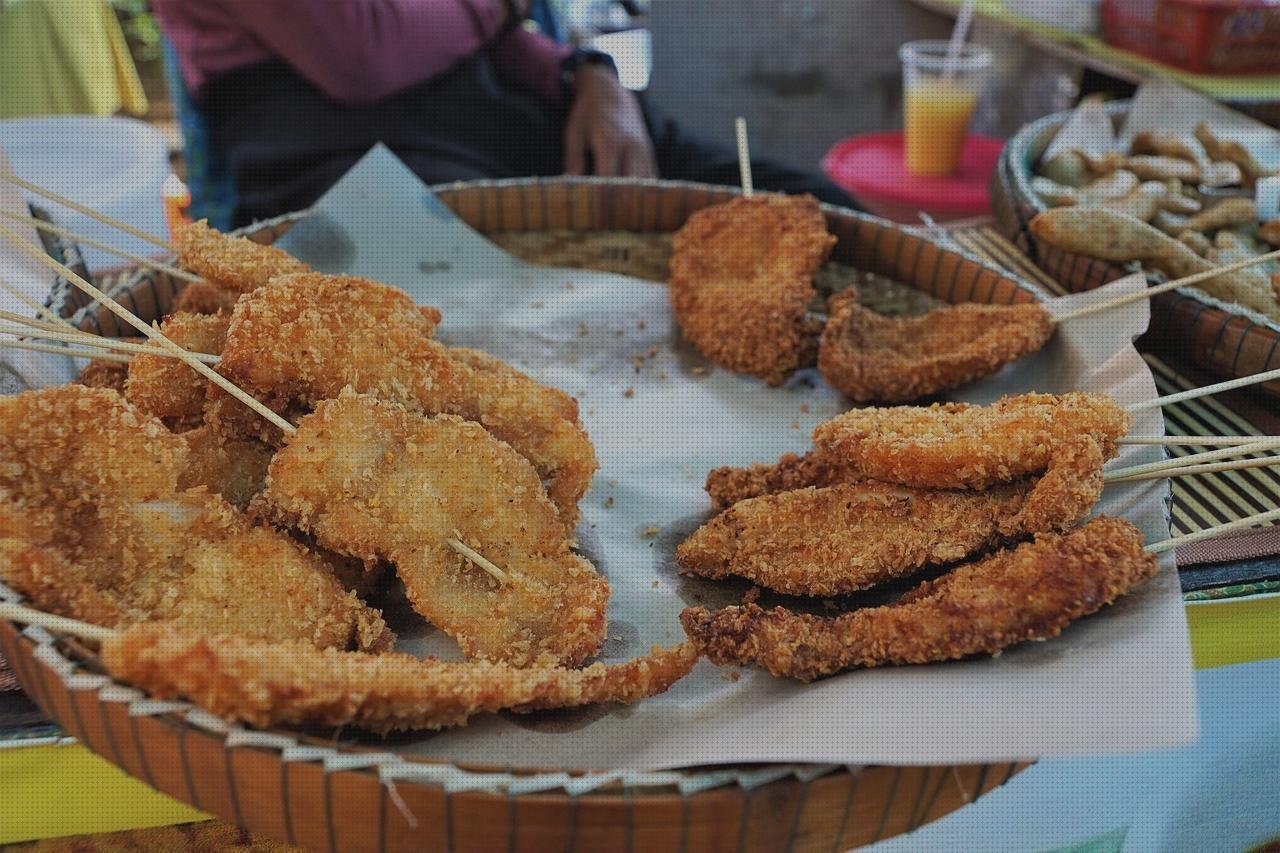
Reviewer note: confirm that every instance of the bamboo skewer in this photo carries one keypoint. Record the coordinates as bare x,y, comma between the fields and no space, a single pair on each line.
114,344
68,351
1148,292
85,209
1261,446
41,311
106,247
1214,532
1210,468
1192,440
744,157
1206,390
15,612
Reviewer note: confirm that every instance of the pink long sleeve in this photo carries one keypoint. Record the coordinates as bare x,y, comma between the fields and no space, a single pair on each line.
356,51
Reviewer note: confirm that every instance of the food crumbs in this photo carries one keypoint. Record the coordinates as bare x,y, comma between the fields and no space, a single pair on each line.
804,407
795,425
582,330
538,304
629,393
651,531
640,324
698,371
735,675
608,502
654,584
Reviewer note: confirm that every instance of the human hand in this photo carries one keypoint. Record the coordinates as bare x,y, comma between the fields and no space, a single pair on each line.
605,121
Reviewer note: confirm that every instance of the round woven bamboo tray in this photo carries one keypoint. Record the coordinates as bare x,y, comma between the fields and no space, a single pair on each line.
306,790
1202,331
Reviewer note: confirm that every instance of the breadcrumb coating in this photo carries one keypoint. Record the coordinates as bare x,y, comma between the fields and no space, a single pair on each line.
234,263
742,278
728,485
104,374
1031,592
871,357
960,445
167,388
267,684
373,480
204,297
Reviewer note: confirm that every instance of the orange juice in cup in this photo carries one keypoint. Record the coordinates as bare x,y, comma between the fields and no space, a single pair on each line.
938,101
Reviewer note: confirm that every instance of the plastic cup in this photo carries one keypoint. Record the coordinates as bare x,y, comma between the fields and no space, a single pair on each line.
938,106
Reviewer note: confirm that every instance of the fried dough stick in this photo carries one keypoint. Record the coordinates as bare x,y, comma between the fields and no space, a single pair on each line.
266,684
164,386
372,480
843,538
234,263
869,356
93,526
960,445
305,338
1030,592
741,280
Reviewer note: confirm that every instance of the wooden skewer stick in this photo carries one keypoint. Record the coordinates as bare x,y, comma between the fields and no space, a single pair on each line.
41,311
1216,388
744,156
98,341
1148,292
153,333
1214,532
1262,445
20,613
476,557
1192,440
86,210
1191,470
23,320
100,355
106,247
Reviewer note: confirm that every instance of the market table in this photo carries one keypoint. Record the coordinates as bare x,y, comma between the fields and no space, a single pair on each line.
1233,623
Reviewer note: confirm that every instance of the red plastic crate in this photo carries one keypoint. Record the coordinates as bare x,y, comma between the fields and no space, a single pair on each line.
1203,36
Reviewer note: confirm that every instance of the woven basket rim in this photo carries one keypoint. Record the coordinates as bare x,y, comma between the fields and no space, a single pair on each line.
391,766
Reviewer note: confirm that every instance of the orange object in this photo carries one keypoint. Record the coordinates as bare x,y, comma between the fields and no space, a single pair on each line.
936,120
1202,36
177,198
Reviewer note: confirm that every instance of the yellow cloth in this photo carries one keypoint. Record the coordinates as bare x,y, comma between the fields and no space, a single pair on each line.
61,57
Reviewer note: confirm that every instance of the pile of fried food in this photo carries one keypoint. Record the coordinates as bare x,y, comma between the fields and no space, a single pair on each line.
742,288
236,559
1179,204
993,495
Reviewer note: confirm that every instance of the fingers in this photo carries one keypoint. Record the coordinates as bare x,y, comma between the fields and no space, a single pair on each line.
575,148
638,162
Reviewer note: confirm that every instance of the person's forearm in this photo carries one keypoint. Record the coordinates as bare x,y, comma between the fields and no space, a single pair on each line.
531,61
363,50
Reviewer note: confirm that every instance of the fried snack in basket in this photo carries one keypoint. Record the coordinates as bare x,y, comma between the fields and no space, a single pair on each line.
235,468
373,480
1030,592
234,263
1111,236
166,387
204,297
728,485
967,446
839,539
93,526
742,278
304,338
266,684
104,374
869,356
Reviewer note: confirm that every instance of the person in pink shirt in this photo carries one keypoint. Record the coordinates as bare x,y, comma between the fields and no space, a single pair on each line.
296,91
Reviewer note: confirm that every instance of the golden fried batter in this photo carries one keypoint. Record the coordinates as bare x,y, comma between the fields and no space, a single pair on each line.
104,374
232,262
235,468
728,485
960,445
741,280
266,684
869,356
305,338
1030,592
204,297
372,480
93,526
166,387
852,536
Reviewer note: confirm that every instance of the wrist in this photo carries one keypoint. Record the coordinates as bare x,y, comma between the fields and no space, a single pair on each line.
584,65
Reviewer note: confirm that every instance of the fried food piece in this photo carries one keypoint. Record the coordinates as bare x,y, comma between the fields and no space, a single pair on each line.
235,263
305,338
1180,145
267,684
1269,231
104,374
167,388
728,485
1030,592
965,446
1112,236
205,297
93,526
372,480
869,356
1233,152
843,538
1227,213
741,278
235,468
